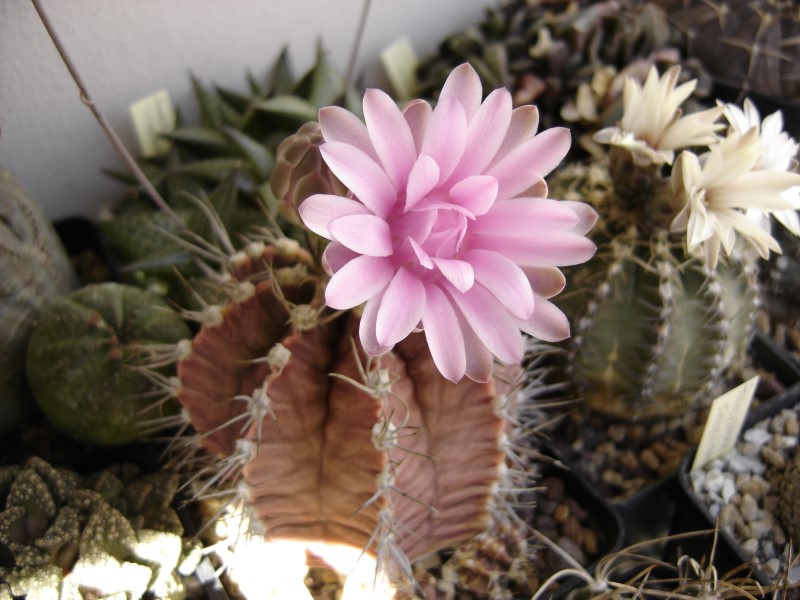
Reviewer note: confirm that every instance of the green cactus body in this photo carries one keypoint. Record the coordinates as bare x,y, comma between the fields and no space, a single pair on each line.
64,540
83,358
658,332
35,271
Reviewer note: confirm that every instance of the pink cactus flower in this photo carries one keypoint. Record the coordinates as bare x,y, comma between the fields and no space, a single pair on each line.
446,228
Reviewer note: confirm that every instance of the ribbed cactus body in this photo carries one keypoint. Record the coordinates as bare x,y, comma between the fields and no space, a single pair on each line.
34,270
83,358
749,45
333,446
658,331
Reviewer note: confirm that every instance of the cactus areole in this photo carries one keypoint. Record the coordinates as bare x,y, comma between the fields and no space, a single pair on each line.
332,445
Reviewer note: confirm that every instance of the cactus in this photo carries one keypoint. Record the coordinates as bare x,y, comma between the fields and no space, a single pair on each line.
323,444
66,536
35,271
86,362
662,319
569,57
749,46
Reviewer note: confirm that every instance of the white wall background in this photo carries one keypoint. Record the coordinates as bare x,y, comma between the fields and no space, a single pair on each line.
126,49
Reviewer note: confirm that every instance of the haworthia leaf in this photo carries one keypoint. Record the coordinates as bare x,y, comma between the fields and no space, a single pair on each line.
290,107
282,79
207,137
259,156
214,110
323,85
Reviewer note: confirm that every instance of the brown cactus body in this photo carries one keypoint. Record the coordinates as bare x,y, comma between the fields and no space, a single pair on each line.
327,460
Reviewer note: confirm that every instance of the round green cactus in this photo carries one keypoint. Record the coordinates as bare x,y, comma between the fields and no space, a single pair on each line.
87,361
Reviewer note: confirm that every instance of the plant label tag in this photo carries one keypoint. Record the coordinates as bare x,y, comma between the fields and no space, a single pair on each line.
400,63
725,420
153,116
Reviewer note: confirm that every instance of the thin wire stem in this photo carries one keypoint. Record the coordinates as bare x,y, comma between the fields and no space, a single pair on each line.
351,64
109,130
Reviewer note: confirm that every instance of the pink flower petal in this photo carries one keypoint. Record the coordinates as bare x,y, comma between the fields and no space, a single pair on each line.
365,234
477,193
444,335
504,279
422,179
490,321
390,135
401,308
335,256
587,217
463,85
521,217
367,325
423,257
319,210
457,272
418,114
523,126
361,175
547,323
480,360
358,281
545,281
446,136
340,125
530,161
545,249
416,224
485,133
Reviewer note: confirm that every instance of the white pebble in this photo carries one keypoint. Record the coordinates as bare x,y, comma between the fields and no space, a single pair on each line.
750,546
748,508
745,464
771,567
760,527
728,490
757,436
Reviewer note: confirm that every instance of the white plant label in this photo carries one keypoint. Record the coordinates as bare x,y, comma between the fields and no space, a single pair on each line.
153,116
725,420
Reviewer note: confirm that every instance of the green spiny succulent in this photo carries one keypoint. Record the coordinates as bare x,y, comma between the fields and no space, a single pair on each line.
85,361
61,537
662,318
34,270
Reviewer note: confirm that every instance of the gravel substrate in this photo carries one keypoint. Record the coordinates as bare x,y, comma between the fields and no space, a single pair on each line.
742,488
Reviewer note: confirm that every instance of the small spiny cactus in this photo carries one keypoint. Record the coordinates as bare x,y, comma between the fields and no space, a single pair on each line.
87,362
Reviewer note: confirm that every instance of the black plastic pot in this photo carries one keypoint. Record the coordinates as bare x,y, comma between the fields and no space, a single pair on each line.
604,518
692,514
